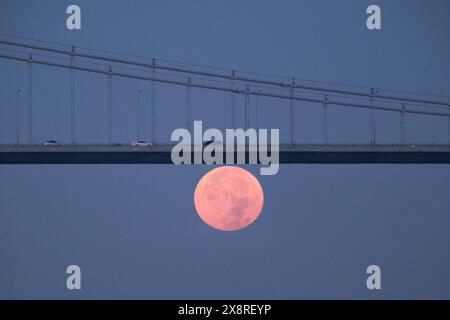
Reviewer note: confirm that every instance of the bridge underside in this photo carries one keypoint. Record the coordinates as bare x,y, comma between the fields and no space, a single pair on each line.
161,154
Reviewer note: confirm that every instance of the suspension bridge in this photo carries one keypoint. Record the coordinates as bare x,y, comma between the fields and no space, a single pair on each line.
233,83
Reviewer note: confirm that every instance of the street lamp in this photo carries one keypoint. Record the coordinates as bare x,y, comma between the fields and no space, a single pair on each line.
18,91
138,95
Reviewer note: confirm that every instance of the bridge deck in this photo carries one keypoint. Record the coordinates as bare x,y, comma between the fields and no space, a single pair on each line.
161,154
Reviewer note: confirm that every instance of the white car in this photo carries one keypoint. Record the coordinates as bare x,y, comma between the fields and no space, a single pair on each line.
141,143
49,143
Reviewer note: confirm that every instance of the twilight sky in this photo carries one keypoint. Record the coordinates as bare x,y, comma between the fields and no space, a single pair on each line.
133,229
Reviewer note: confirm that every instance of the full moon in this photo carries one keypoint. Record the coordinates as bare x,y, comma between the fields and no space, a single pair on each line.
228,198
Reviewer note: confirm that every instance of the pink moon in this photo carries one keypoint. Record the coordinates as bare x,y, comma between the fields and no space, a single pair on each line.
228,198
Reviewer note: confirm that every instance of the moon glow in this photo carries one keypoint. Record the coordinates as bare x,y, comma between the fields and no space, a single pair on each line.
228,198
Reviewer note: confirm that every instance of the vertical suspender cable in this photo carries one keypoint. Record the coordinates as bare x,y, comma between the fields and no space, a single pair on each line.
257,110
72,96
449,123
17,117
110,105
402,124
188,106
233,101
138,114
325,119
292,112
153,101
30,99
372,118
247,111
